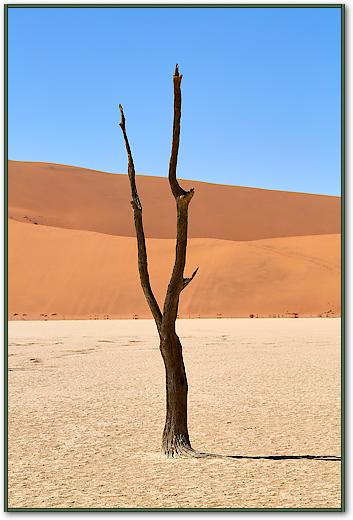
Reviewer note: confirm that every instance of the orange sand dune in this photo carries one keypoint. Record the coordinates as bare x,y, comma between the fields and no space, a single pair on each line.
77,198
81,274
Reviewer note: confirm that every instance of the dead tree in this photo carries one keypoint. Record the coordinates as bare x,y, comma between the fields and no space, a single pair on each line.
175,439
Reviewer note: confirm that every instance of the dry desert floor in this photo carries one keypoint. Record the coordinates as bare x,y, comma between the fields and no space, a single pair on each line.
87,405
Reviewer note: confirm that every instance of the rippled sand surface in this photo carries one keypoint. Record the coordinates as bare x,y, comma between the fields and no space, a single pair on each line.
86,414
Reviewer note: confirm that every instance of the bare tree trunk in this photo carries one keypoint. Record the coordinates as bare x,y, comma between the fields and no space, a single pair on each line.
175,435
175,439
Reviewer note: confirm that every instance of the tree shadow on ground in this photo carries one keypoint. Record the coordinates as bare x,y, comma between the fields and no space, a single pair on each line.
199,454
287,457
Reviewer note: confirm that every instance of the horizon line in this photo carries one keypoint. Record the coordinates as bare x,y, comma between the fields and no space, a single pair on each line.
180,178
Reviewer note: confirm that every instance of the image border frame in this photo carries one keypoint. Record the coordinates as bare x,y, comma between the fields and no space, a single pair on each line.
343,250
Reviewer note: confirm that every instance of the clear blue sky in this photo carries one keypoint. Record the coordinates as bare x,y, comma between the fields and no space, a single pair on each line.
261,91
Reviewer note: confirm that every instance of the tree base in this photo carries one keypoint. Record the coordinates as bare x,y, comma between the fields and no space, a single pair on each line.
174,446
179,446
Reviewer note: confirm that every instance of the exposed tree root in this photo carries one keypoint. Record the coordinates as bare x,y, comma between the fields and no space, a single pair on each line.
182,450
179,446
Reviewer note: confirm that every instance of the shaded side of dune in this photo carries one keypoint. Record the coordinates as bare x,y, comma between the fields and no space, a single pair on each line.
59,273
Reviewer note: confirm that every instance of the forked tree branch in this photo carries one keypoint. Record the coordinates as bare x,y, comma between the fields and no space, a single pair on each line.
166,322
140,235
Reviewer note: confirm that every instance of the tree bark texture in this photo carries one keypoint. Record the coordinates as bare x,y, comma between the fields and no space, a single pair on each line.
175,440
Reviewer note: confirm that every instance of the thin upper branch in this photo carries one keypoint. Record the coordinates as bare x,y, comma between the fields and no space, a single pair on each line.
177,281
131,167
174,185
140,235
